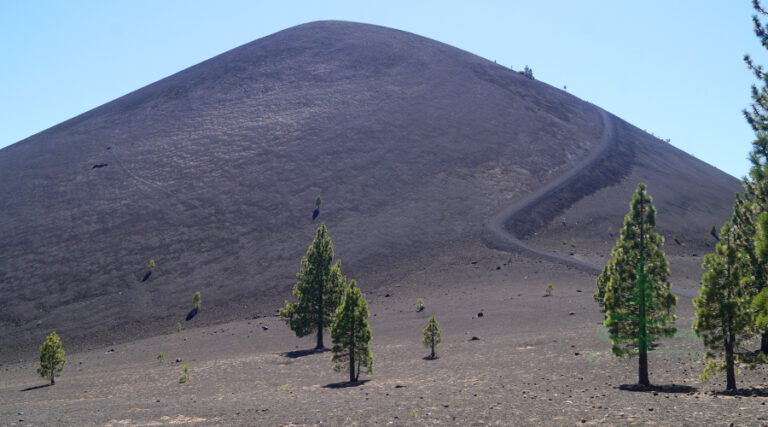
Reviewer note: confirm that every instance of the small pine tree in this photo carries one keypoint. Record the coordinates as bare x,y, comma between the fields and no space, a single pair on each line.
318,290
351,334
197,301
548,290
318,202
633,290
51,357
178,326
723,312
419,305
432,336
151,264
184,377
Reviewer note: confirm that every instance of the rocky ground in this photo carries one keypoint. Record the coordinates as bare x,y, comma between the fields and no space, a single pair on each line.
536,360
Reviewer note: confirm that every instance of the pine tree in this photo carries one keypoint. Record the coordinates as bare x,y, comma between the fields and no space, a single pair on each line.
197,301
432,336
351,334
756,184
51,357
633,291
318,290
723,312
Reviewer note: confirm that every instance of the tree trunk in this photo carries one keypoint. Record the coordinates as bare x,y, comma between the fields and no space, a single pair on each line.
643,370
764,343
352,377
730,372
432,356
320,345
53,381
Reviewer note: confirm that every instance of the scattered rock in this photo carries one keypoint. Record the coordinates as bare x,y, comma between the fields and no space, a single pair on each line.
498,267
387,296
480,314
178,360
578,290
399,386
100,165
474,339
576,354
264,328
570,313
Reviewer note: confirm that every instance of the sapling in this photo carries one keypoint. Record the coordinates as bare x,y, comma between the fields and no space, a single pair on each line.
432,336
548,290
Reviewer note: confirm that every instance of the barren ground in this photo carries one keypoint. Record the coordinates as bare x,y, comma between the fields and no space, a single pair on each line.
538,360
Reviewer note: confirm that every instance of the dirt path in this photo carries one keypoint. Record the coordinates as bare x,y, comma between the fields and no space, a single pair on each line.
496,233
498,237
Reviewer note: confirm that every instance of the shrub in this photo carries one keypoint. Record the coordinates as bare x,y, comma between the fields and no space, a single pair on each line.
548,290
185,377
196,300
419,305
161,356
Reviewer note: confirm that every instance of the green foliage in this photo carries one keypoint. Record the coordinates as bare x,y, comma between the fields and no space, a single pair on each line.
51,357
723,312
152,264
318,202
419,305
755,201
178,326
285,387
351,334
548,290
432,336
161,356
527,72
318,290
196,300
632,290
760,305
185,377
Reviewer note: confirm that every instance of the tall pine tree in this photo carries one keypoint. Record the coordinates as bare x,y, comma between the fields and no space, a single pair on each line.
633,291
351,334
319,289
755,199
723,313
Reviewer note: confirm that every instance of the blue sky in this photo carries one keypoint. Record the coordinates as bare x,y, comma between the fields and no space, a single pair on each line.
673,68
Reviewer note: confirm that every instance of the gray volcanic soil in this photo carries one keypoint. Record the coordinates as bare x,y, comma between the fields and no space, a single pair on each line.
417,149
534,363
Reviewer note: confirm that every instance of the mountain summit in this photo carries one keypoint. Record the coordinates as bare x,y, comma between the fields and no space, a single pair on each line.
424,155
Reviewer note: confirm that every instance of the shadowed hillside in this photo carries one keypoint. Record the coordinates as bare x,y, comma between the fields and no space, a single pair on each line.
415,146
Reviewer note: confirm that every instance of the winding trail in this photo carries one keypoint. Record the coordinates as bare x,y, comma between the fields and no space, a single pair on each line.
496,234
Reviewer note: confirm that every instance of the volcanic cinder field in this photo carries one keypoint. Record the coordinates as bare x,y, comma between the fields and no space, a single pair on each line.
444,176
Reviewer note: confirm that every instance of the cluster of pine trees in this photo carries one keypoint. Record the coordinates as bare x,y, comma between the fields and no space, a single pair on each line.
732,307
324,299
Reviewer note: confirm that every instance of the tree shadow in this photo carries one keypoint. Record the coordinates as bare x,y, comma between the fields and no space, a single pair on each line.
315,214
745,392
36,387
192,313
146,276
665,388
346,384
431,358
301,353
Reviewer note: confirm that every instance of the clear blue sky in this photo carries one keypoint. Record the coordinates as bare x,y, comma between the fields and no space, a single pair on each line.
672,67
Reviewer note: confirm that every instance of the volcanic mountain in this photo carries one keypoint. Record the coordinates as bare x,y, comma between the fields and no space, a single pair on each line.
424,155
